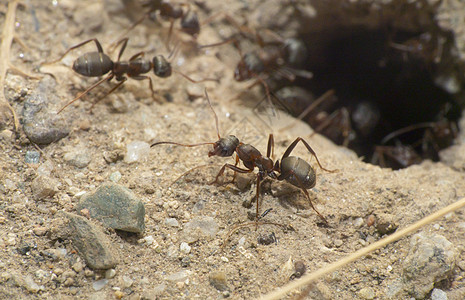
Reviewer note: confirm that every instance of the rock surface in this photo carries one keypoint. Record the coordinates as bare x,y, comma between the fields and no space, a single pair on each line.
116,207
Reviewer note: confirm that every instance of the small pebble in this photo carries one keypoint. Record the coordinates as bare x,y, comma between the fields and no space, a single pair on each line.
78,266
115,176
78,158
185,262
99,284
39,230
127,282
338,243
358,222
172,222
30,284
136,151
366,293
32,157
68,282
179,276
110,273
438,294
185,248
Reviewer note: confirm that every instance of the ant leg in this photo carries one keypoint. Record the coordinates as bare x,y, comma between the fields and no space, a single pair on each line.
150,85
111,91
114,44
292,146
309,108
301,186
232,167
270,146
97,43
170,32
124,42
342,116
257,198
137,55
196,81
109,77
234,176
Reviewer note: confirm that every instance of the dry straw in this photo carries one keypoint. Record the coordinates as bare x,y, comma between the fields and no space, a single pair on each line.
309,278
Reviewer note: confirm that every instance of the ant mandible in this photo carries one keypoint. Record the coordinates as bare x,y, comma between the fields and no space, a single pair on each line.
94,64
292,169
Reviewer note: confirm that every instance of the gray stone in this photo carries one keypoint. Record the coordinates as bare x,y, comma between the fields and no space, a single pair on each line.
116,207
78,158
438,294
88,239
42,125
431,259
44,187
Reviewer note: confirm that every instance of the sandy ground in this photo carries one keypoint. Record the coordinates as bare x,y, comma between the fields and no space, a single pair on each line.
350,199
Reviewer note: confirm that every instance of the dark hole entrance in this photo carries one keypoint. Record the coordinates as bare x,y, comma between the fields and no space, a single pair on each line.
382,82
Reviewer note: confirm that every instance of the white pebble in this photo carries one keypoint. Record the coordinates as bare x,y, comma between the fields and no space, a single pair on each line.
136,151
185,248
99,284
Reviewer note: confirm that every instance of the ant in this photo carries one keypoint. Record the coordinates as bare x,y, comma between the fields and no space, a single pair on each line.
292,169
276,56
173,11
94,64
396,157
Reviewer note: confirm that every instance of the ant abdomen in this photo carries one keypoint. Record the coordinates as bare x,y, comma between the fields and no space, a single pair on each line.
93,64
302,173
190,23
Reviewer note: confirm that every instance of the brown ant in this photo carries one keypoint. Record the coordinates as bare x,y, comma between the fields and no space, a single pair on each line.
293,169
396,157
94,64
275,56
172,11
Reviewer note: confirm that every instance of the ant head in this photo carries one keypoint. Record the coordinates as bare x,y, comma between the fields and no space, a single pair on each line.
161,67
190,23
248,66
224,147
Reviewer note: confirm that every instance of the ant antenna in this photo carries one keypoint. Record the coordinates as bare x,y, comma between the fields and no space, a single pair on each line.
406,129
214,113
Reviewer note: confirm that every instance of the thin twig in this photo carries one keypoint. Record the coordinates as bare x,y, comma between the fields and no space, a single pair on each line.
281,292
7,38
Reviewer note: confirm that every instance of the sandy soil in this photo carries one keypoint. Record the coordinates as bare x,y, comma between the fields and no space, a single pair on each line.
351,199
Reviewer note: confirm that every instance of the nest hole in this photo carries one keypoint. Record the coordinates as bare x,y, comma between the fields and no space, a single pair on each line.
390,102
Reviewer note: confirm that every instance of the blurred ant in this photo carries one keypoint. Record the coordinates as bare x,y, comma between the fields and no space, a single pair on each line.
293,169
94,64
172,11
395,157
436,136
277,56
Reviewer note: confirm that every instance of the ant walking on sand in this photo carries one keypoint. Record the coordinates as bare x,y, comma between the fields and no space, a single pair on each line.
94,64
292,169
172,11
